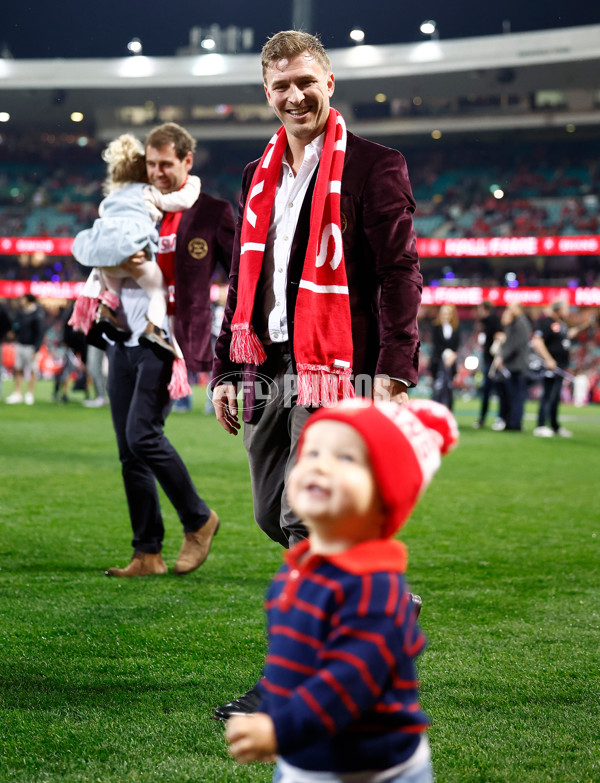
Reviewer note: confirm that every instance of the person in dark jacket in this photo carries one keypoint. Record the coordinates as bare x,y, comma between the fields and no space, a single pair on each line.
512,362
490,326
5,321
552,341
5,327
444,354
28,328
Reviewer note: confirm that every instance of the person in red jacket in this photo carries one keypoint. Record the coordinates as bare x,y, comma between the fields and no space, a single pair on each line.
339,687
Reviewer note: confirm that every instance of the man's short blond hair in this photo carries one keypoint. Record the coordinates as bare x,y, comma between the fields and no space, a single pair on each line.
171,133
290,43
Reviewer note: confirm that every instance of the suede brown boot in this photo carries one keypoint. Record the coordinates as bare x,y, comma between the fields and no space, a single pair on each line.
196,546
142,564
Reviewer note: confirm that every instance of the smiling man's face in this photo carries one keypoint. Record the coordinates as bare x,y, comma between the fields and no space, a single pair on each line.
298,89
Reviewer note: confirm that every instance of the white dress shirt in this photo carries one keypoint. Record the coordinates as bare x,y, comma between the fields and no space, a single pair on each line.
289,198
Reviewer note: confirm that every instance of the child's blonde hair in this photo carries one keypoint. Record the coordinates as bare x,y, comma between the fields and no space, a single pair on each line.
126,162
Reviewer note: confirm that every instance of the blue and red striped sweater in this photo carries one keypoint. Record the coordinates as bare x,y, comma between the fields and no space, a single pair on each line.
339,680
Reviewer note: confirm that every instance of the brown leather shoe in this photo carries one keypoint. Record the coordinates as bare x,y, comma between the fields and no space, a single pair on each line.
196,546
142,564
152,338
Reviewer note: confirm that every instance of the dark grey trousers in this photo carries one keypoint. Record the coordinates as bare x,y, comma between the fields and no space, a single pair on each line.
271,445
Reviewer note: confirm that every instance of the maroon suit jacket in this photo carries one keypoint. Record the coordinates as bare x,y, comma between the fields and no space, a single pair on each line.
204,239
382,267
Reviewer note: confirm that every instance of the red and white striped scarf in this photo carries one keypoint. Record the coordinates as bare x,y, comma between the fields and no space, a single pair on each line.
167,242
323,335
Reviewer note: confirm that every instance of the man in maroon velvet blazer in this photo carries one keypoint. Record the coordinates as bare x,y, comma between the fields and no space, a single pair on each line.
379,243
381,264
382,270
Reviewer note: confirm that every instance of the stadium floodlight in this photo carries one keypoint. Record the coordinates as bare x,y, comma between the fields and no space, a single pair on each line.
208,43
429,27
357,34
135,46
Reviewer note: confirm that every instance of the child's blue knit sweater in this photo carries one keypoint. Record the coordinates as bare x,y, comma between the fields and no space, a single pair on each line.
339,680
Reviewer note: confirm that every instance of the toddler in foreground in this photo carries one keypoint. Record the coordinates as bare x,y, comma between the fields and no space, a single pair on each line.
340,700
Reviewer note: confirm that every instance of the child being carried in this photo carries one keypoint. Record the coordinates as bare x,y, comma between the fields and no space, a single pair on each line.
127,225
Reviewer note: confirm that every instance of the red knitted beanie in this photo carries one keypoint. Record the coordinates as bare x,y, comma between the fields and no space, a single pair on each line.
405,444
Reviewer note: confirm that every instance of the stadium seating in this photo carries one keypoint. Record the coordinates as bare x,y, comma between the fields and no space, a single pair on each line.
51,187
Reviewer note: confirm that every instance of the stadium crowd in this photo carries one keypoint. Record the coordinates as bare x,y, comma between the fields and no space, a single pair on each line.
584,359
51,186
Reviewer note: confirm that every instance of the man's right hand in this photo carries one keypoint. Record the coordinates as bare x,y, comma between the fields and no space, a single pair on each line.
226,408
137,258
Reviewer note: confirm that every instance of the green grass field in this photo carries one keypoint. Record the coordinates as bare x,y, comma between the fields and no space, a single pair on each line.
115,680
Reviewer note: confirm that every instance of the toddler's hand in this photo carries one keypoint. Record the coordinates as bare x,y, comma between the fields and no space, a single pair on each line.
251,737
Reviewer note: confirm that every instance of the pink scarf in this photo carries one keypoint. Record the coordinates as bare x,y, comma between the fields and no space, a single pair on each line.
323,335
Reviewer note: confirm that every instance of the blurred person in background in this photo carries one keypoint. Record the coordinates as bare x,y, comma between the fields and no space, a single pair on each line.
28,329
96,377
444,354
490,326
5,325
513,358
72,374
498,375
552,341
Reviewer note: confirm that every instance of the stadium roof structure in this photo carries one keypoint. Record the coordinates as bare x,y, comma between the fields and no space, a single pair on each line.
203,90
